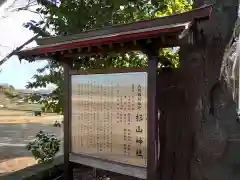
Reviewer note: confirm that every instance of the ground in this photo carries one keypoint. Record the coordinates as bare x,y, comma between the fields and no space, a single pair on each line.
17,128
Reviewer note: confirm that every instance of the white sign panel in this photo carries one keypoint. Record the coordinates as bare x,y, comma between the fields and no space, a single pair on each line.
109,116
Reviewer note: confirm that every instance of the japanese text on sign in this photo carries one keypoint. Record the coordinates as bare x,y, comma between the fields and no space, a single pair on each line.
109,116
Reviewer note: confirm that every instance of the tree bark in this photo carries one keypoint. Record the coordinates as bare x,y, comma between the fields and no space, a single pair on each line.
197,109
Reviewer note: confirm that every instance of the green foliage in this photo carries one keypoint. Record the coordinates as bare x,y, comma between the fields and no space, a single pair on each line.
9,91
170,54
57,124
44,147
169,7
98,13
10,95
35,97
74,16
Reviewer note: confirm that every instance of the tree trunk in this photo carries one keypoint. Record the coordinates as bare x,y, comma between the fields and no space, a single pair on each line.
198,127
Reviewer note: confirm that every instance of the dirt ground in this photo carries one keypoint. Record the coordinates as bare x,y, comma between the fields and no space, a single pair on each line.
17,129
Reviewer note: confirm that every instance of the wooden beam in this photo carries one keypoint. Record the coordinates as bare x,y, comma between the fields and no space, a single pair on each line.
152,118
118,47
186,31
128,46
68,171
108,71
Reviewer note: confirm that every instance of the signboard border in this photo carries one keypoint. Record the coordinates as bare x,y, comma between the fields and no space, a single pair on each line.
113,166
109,71
96,162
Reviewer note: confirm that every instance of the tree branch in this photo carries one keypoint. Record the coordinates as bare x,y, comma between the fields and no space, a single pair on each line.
22,46
18,49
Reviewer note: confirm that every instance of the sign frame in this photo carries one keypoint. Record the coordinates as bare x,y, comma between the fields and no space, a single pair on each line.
96,162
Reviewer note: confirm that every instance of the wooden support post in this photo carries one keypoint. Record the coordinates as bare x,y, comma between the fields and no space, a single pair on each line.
68,171
152,118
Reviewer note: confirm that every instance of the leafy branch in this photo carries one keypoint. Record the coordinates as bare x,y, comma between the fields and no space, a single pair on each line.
44,147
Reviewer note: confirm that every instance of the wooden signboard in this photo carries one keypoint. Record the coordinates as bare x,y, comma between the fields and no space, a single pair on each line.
109,117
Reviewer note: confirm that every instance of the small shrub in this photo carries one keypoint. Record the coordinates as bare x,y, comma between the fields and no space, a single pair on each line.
44,147
57,124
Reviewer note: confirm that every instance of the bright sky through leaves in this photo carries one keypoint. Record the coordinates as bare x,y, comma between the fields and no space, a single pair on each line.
12,35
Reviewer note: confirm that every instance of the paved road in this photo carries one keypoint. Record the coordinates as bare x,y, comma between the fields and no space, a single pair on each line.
15,133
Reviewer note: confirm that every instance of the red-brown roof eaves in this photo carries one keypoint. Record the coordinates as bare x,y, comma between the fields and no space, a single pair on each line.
117,36
96,41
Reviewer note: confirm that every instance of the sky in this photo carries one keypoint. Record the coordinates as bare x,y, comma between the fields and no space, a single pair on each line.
12,35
